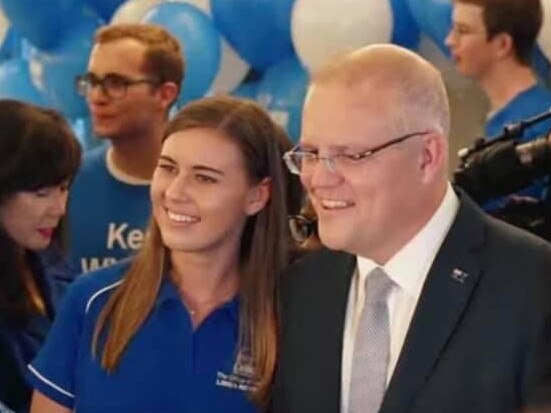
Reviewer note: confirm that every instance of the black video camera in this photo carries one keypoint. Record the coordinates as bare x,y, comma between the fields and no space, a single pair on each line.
503,165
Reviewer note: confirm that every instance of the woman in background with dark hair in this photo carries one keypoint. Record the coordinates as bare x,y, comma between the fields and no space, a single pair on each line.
190,324
39,157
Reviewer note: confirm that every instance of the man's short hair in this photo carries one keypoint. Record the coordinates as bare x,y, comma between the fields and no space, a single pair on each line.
521,19
164,59
398,78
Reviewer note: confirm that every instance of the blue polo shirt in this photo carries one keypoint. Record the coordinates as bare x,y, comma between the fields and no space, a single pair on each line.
167,367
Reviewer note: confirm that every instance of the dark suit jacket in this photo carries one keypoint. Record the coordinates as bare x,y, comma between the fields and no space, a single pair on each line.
476,344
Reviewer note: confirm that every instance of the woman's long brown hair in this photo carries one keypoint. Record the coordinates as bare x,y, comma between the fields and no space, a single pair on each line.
264,243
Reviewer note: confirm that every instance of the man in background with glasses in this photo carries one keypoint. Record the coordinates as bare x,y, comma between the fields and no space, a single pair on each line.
493,43
420,303
134,75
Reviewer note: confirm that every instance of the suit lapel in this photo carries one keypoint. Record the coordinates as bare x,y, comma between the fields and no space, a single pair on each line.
315,331
331,306
444,298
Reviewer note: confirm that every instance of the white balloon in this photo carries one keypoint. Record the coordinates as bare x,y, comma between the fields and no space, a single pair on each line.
321,28
132,11
544,38
233,69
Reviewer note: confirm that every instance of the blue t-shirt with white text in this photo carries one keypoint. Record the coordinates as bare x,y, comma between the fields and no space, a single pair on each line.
107,217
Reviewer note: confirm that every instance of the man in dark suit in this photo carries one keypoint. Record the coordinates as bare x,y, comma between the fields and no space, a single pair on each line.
464,323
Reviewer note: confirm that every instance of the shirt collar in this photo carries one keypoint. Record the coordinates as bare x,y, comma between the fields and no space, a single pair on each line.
409,267
121,175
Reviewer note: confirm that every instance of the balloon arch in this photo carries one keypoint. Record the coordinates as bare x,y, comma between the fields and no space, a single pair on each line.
260,49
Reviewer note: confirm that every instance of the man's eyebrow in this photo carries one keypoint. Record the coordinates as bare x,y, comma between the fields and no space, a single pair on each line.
332,148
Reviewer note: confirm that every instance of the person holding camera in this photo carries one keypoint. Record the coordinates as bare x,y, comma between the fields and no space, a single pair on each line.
492,41
505,165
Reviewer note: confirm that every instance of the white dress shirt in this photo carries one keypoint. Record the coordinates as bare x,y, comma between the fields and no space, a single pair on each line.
408,269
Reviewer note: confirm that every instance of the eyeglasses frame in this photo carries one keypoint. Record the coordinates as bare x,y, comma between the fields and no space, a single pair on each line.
329,160
100,81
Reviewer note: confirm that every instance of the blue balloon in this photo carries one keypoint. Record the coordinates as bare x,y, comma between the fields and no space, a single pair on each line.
57,68
44,22
248,90
200,41
259,30
16,83
405,31
282,90
434,18
105,8
11,47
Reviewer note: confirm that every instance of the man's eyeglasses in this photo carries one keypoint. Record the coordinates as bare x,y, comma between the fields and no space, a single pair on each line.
301,161
461,30
112,85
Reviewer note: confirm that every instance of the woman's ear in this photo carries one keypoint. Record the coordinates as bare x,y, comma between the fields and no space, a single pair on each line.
259,196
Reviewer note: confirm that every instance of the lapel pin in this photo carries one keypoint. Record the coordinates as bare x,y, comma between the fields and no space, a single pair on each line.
459,275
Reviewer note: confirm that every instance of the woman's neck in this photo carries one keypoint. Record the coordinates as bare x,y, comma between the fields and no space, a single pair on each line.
204,282
31,286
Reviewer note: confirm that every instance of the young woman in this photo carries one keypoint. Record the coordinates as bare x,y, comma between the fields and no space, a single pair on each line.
39,156
190,323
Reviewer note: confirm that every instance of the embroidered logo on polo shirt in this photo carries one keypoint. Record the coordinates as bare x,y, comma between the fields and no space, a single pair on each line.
242,376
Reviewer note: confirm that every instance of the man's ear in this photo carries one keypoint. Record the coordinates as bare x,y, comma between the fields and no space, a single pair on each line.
434,154
168,92
259,196
504,45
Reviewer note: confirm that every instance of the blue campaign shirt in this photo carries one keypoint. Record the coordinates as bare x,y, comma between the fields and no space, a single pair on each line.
167,367
527,104
107,215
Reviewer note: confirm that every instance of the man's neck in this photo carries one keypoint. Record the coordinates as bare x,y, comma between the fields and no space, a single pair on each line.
136,156
505,82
